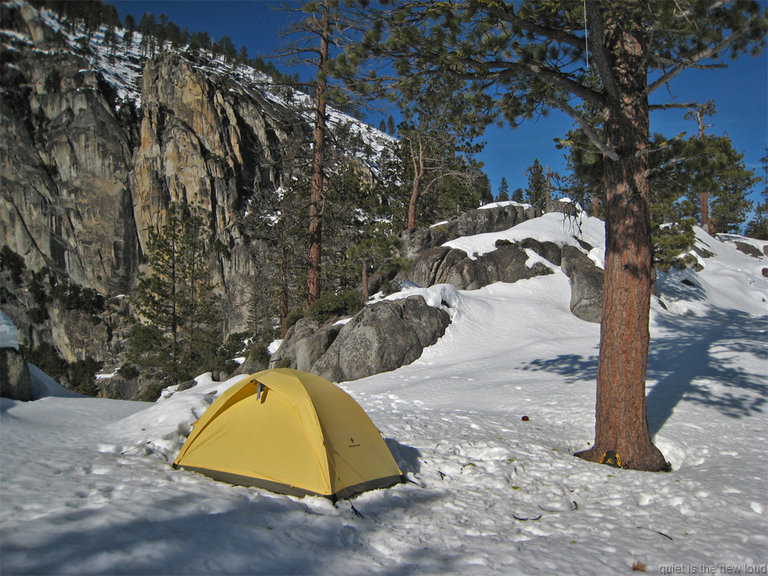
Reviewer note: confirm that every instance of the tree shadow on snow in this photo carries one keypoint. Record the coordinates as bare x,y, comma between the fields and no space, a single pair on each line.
682,363
571,367
258,533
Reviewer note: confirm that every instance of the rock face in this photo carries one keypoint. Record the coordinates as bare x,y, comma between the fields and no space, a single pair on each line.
14,376
380,338
61,141
215,146
93,153
586,284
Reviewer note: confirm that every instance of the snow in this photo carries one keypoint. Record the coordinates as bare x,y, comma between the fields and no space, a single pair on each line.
553,227
87,485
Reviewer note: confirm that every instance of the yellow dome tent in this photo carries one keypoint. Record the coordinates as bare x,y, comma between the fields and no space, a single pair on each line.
290,432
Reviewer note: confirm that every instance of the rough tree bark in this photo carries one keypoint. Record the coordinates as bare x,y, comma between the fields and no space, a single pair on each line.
316,190
417,159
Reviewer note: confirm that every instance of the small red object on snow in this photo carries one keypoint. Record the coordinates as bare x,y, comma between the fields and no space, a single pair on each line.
525,418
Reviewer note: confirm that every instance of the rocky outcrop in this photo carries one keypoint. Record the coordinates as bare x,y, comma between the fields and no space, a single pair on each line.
380,338
493,218
443,265
510,263
215,145
14,376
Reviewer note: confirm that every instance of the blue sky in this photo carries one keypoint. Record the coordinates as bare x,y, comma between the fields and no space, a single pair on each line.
740,91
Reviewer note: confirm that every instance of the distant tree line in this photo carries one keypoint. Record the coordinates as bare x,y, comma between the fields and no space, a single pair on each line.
157,32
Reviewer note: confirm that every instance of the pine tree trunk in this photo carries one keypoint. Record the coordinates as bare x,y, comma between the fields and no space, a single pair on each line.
704,197
621,426
621,419
417,159
284,292
411,222
316,191
365,279
705,223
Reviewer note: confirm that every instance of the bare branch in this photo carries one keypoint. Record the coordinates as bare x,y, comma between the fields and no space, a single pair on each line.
689,105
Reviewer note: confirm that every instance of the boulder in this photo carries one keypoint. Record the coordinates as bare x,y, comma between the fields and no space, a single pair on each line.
380,338
491,219
547,250
285,356
748,249
586,284
443,265
509,263
432,266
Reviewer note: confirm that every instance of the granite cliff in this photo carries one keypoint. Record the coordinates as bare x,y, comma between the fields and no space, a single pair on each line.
97,142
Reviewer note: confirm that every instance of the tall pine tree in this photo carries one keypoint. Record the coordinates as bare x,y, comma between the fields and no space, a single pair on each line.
758,226
532,56
537,192
503,194
178,326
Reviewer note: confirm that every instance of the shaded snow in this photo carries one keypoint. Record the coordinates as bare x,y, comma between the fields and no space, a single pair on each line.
8,332
87,487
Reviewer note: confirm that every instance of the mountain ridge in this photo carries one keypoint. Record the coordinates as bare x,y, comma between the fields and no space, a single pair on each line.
98,141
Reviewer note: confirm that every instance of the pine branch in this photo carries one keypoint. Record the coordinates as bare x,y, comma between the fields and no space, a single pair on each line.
693,61
586,128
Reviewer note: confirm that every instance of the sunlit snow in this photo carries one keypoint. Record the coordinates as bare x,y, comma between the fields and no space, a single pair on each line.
87,486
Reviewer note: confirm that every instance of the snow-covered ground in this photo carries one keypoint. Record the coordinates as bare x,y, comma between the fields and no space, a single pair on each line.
86,485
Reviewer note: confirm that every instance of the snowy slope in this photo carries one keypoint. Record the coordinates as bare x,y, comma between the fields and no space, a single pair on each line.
87,487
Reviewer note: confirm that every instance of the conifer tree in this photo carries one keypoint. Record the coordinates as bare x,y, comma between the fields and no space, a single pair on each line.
129,24
758,226
437,137
147,26
503,194
536,192
178,321
718,171
536,55
318,30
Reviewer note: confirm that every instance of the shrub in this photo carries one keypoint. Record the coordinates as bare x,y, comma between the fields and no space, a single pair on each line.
260,354
152,392
293,317
12,262
82,376
332,305
128,371
75,297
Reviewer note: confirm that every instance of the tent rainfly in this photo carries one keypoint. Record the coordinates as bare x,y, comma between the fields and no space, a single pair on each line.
290,432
